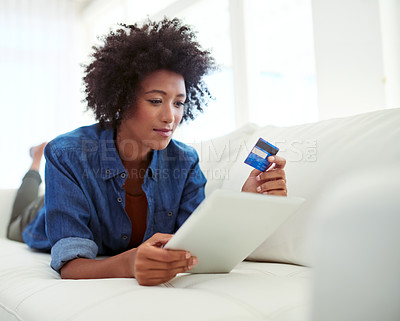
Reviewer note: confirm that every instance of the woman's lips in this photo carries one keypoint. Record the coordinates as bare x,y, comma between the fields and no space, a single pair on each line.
165,132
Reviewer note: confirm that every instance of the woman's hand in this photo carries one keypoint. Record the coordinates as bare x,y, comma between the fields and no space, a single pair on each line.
271,182
149,263
153,265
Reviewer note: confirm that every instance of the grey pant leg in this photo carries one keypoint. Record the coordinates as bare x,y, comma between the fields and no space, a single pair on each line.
26,205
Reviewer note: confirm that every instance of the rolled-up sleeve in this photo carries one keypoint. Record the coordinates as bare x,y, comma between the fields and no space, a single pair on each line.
71,248
67,214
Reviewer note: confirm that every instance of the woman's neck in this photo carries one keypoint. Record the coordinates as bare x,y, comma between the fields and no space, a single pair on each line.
133,153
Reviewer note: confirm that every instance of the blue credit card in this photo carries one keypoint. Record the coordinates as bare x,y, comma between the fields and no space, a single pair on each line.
259,154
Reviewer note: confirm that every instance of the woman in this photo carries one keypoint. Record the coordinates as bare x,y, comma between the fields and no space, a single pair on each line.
122,187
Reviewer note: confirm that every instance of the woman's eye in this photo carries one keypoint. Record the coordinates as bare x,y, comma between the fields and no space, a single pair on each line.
180,103
155,101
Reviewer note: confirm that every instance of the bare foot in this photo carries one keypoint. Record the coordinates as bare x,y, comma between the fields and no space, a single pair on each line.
36,153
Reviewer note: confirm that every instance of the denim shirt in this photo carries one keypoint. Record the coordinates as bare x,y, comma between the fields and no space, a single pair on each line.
84,211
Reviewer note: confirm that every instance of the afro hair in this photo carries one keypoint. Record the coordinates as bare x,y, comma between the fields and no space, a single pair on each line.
130,53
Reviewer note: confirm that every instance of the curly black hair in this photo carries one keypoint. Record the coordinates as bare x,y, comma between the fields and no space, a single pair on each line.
130,53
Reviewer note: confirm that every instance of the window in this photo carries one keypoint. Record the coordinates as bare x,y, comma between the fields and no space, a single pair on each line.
43,43
280,51
210,19
39,79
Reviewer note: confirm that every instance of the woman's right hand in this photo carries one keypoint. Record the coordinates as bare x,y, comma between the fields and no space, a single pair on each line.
154,265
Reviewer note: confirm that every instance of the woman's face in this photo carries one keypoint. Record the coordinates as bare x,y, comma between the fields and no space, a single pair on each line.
156,114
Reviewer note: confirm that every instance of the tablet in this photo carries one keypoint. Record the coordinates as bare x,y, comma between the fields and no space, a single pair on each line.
227,226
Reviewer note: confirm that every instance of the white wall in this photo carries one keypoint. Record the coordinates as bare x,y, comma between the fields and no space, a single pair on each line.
349,56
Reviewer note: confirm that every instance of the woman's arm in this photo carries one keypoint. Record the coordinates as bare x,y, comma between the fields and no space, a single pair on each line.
118,266
150,264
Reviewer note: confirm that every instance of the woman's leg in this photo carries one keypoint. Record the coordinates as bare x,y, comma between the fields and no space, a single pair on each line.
27,203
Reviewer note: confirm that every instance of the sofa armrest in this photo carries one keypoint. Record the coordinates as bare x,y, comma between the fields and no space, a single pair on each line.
357,249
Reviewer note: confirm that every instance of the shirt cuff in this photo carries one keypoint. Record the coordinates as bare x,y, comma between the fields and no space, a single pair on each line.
71,248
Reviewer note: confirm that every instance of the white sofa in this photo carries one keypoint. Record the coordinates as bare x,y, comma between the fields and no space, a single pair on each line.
348,170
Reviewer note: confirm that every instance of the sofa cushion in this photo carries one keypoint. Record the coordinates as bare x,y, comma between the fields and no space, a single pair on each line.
219,154
31,290
318,154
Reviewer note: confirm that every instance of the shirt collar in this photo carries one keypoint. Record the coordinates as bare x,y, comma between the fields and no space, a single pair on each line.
110,162
160,162
153,171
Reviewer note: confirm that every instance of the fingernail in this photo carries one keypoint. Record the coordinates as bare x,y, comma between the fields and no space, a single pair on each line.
190,266
188,255
259,189
271,158
258,178
195,261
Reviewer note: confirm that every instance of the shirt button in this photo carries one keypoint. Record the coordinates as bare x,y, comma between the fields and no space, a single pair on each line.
108,171
123,175
119,199
124,237
169,213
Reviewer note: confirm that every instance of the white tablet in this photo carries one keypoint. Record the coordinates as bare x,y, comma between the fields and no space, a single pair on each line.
227,226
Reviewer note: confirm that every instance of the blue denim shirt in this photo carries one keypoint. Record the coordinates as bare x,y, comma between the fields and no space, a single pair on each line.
84,211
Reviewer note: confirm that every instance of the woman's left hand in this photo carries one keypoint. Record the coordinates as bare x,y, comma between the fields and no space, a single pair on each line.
271,182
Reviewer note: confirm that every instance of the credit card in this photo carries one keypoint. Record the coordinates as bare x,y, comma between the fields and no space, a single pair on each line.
259,154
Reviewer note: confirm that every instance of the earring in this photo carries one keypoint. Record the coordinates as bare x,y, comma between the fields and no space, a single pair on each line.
117,114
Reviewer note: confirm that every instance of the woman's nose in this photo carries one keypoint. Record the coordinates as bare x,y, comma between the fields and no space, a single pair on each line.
167,115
